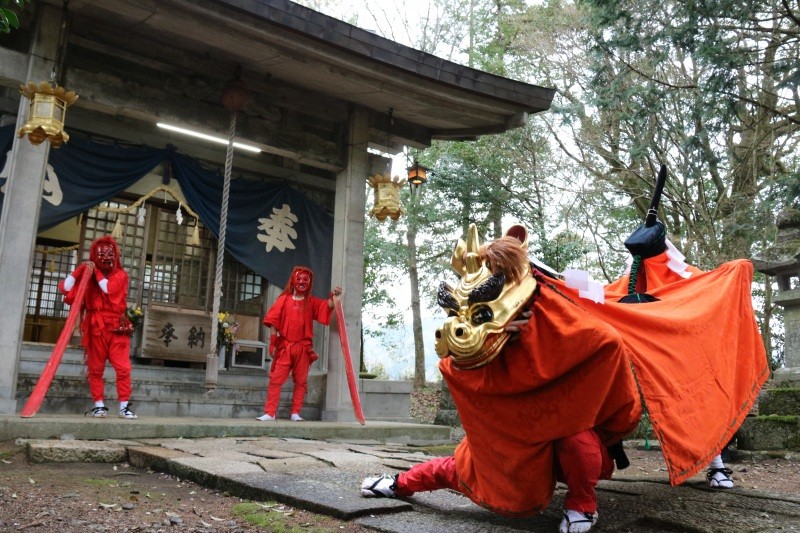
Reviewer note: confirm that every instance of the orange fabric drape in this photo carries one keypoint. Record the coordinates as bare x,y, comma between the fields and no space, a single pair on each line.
697,355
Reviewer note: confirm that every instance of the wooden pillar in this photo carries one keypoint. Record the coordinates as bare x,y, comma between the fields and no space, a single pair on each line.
20,215
347,269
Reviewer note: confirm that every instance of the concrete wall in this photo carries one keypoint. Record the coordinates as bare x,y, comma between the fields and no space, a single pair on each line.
386,400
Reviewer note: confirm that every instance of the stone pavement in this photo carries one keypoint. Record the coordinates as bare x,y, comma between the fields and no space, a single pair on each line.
324,476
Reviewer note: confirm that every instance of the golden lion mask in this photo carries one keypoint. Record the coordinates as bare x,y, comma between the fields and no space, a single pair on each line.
495,284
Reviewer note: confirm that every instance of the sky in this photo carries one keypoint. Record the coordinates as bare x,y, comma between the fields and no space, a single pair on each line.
396,351
383,18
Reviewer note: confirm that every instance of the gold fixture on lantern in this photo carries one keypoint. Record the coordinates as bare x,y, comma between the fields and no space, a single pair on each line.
417,175
387,196
46,114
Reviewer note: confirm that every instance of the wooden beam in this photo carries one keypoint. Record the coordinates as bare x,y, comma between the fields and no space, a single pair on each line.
113,95
391,137
215,71
147,134
15,68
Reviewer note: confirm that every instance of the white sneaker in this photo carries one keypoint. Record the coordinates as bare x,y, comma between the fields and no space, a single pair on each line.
379,487
125,412
719,478
296,418
265,417
577,522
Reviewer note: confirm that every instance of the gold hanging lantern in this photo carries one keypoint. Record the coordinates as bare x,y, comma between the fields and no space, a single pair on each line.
387,196
47,111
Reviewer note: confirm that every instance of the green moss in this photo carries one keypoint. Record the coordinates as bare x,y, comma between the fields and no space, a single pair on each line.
260,515
785,391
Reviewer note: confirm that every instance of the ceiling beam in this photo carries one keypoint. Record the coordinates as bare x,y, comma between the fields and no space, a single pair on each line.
148,134
112,95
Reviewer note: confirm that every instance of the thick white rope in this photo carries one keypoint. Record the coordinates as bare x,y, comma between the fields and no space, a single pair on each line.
211,373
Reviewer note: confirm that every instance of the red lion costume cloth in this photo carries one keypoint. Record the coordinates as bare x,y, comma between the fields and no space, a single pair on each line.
566,374
694,358
697,354
105,303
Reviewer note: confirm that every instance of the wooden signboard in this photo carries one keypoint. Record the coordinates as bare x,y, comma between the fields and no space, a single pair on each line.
177,334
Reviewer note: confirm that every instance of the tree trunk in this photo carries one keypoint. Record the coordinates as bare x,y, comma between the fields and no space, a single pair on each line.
413,276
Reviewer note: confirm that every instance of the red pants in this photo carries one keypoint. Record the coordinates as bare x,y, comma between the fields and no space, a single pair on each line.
582,461
116,349
295,358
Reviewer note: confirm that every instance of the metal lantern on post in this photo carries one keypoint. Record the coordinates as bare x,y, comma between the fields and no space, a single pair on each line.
47,111
417,175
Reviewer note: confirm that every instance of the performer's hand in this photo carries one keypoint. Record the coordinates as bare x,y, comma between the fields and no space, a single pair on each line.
336,294
273,344
78,272
515,326
71,279
101,280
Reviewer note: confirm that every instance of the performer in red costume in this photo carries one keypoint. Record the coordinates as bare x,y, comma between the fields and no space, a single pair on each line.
554,402
103,336
291,326
551,403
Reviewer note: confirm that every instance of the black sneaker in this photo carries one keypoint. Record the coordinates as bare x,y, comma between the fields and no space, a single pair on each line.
126,412
98,412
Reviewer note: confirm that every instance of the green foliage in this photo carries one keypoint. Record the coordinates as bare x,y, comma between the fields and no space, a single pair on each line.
698,86
384,264
563,250
379,371
790,420
706,88
789,391
9,20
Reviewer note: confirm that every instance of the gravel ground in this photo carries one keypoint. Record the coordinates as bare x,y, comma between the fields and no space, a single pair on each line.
88,497
67,498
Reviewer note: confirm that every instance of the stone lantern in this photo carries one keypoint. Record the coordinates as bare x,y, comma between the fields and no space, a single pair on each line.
782,260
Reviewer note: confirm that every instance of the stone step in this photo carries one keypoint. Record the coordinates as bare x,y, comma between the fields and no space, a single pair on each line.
158,391
67,429
779,401
171,391
69,394
769,432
